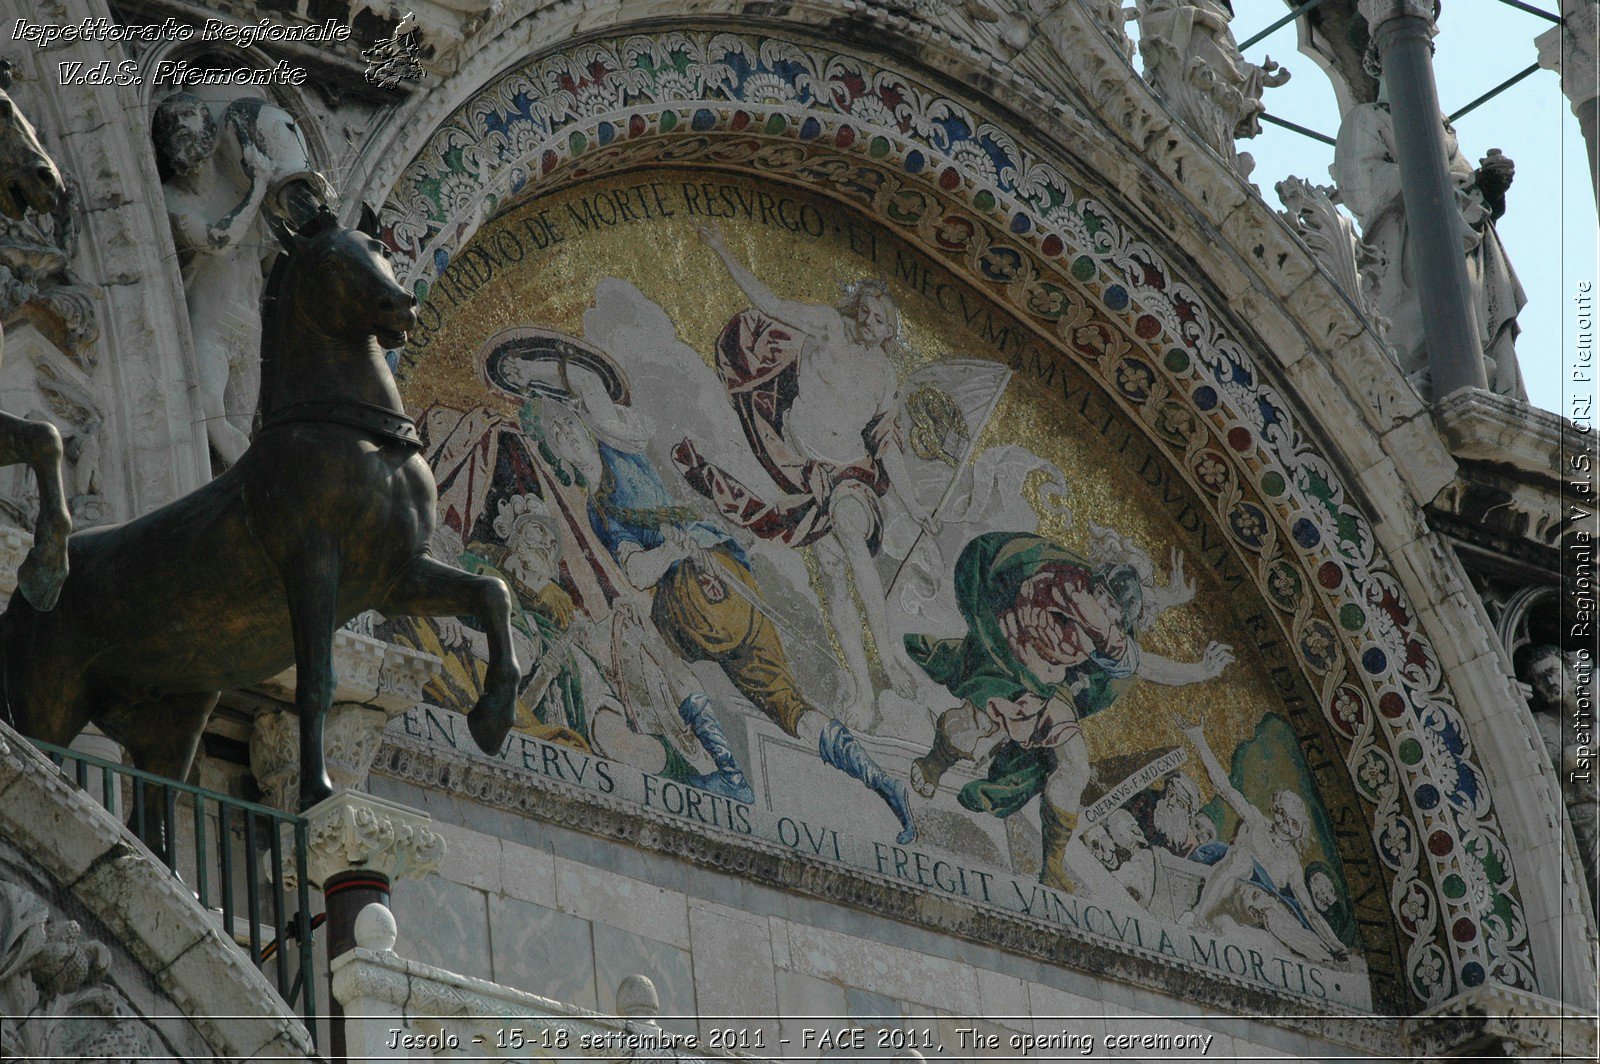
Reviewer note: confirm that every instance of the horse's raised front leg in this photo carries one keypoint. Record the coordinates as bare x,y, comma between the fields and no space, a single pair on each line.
434,589
37,444
312,582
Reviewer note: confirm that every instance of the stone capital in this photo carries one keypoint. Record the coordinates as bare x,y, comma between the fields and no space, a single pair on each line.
1571,51
369,671
1377,12
1499,1020
377,681
351,831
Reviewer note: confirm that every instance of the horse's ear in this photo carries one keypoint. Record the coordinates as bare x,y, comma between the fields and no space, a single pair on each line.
288,238
320,222
369,221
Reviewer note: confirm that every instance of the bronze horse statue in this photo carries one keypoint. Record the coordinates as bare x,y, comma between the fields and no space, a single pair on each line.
327,514
29,179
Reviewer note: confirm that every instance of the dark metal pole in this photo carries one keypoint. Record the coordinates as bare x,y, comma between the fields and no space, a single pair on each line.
344,896
1403,30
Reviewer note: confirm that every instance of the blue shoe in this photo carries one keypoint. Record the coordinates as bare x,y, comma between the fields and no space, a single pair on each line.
728,780
837,747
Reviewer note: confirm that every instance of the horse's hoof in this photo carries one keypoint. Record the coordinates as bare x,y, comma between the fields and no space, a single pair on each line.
40,582
315,791
489,722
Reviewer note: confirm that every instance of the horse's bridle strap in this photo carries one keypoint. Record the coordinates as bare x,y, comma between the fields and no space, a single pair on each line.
352,413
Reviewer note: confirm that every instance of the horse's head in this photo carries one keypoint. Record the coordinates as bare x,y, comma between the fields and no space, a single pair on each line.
28,177
342,281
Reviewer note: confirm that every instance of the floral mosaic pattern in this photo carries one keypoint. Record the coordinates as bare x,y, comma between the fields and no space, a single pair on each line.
967,188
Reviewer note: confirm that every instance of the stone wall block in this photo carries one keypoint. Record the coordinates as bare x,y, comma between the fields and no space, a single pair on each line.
143,904
1276,255
1266,317
1054,1010
1458,643
1348,439
731,954
1004,999
1399,518
475,860
237,999
893,970
627,904
46,815
1421,458
527,873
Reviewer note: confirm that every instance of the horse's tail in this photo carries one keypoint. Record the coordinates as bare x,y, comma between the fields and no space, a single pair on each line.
6,627
16,622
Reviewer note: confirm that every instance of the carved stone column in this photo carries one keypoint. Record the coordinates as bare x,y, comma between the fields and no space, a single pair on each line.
1570,50
359,845
1403,32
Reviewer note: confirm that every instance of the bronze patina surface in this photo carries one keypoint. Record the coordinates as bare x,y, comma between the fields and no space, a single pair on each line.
327,514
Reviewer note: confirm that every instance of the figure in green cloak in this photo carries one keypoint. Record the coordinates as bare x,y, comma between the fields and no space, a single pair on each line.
1051,641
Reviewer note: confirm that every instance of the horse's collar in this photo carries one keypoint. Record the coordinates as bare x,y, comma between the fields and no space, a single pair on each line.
377,421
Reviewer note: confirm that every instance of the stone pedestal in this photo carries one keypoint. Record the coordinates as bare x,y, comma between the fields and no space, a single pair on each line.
358,846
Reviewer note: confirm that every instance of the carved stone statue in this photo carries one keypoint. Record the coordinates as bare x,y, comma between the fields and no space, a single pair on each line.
29,179
214,204
1556,694
1192,62
328,513
1367,173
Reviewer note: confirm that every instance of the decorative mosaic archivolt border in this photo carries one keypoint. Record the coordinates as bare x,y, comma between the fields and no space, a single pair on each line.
969,192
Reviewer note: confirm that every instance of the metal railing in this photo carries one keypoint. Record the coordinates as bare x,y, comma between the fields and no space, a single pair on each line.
213,870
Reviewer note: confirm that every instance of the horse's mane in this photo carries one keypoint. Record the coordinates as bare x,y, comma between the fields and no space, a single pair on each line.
274,329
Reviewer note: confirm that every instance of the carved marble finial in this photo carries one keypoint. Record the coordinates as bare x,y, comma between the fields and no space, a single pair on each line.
637,998
375,928
1334,242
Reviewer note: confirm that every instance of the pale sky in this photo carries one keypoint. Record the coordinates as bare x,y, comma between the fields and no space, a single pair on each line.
1550,226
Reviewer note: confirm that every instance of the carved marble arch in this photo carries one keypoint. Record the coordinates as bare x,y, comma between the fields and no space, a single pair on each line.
1100,302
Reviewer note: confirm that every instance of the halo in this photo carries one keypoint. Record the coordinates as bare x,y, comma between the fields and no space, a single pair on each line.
561,352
